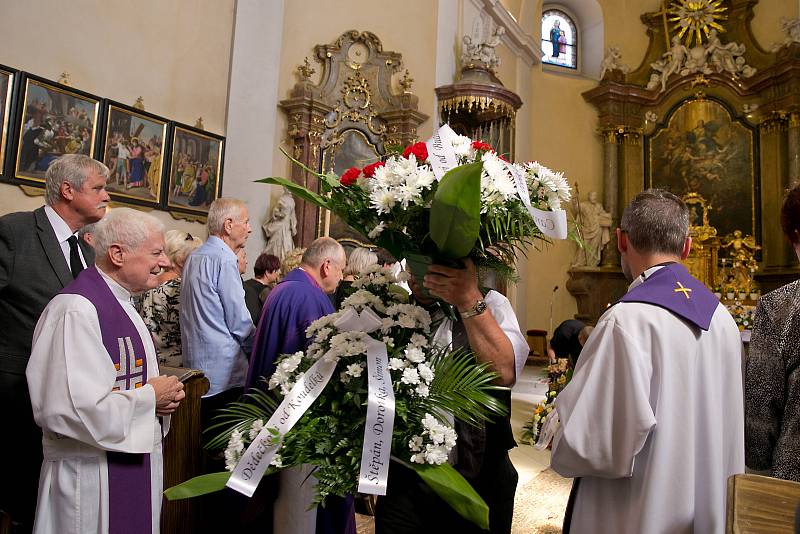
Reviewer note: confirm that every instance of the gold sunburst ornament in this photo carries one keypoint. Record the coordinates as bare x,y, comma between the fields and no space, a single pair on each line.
696,18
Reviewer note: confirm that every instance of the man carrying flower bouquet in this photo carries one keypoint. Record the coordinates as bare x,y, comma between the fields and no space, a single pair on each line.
652,423
487,326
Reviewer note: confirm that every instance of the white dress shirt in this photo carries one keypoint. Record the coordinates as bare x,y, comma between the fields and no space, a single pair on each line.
63,232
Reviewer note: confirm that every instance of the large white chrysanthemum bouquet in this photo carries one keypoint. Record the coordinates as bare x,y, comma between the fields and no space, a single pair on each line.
480,206
431,384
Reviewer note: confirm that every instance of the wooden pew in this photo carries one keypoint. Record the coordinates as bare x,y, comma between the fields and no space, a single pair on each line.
183,451
761,505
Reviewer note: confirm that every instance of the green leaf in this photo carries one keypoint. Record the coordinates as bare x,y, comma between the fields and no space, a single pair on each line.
455,219
455,491
198,486
297,190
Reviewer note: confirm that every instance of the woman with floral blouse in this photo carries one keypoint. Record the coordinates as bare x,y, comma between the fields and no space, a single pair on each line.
159,307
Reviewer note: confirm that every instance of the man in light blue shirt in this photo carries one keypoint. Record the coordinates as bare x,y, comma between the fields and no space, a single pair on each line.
216,328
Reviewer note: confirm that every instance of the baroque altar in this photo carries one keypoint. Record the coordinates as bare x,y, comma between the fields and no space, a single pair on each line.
708,110
362,104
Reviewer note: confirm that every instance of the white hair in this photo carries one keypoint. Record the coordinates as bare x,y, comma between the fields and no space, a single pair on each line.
178,245
321,249
124,226
71,168
360,258
221,210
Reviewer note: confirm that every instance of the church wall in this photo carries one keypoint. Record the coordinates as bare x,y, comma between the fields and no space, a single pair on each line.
174,54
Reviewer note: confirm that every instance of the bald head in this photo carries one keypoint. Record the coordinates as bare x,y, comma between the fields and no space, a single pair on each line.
324,260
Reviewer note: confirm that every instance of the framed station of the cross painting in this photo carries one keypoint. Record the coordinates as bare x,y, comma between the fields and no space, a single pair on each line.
133,151
702,147
7,77
195,170
53,120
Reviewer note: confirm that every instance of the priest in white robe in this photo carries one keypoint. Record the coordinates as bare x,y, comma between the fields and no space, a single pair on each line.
95,390
652,423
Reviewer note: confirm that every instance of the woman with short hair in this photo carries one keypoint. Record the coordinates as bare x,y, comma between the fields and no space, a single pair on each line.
160,306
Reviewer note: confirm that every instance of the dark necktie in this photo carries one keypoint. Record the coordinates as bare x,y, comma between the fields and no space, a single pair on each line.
75,264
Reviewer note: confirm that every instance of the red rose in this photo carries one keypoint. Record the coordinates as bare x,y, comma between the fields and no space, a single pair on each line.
350,176
369,170
419,150
480,145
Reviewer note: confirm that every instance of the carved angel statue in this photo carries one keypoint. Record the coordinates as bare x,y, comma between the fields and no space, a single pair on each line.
742,247
670,63
281,227
791,32
613,61
727,57
479,47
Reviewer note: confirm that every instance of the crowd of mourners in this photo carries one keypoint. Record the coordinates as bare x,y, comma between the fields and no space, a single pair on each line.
96,302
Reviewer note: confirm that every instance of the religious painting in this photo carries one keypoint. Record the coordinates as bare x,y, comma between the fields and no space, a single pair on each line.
53,120
351,149
6,87
195,172
559,39
134,153
703,149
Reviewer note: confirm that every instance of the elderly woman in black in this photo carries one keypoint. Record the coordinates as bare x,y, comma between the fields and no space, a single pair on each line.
772,375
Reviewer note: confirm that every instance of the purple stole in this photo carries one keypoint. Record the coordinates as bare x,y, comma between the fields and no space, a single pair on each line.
129,496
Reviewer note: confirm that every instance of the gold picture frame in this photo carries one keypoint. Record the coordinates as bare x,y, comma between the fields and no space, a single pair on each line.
53,120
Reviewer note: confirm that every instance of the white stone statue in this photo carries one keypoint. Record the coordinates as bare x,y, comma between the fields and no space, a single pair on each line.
478,48
595,224
613,61
791,32
714,56
281,228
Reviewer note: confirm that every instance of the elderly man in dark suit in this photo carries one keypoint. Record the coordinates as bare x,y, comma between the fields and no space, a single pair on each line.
40,253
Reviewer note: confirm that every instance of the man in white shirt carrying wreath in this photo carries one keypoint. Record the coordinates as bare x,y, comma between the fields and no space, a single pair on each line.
652,422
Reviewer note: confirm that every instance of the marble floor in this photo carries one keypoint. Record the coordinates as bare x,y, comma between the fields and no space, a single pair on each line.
541,493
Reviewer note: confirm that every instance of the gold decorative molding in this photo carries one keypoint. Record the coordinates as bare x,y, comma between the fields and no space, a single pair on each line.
199,123
191,217
139,104
31,191
479,103
65,79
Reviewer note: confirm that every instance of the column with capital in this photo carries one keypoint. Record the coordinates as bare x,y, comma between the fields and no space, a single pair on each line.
793,149
610,256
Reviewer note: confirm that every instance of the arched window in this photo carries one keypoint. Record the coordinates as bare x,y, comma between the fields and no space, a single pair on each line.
559,39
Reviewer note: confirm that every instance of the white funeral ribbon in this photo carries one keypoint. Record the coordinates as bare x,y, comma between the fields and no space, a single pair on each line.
375,453
251,467
521,183
256,459
374,473
441,154
550,223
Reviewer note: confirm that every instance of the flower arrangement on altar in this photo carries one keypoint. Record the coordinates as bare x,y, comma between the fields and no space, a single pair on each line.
559,374
376,351
446,199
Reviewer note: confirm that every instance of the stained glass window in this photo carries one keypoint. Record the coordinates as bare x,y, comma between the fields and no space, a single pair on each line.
559,39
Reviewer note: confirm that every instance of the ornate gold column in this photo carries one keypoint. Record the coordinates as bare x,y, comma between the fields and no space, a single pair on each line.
793,149
611,191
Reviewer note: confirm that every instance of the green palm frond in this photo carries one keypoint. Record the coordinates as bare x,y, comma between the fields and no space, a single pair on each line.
240,416
460,387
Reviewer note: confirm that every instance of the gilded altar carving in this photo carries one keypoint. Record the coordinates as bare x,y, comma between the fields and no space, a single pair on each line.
761,106
354,93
